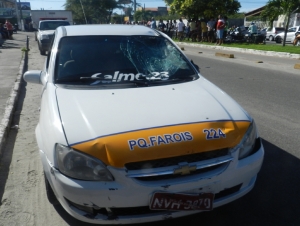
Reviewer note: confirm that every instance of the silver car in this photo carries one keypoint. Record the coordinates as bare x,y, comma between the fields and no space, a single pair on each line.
272,32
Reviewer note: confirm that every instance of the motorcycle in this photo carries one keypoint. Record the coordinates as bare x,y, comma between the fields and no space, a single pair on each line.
296,41
235,36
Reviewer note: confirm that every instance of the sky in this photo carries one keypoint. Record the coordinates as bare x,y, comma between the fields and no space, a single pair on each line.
247,5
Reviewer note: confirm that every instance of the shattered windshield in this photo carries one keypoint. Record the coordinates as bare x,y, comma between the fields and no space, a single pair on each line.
96,60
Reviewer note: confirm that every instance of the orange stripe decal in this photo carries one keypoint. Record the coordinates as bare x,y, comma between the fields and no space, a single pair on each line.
155,143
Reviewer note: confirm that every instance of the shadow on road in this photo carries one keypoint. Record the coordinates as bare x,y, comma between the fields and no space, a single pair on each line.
15,42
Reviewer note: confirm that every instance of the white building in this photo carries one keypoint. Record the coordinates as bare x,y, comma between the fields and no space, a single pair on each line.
294,19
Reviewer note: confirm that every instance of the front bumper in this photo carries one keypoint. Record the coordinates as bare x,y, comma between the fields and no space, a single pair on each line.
126,200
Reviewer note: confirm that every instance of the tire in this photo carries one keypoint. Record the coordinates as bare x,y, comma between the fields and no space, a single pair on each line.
271,38
42,52
278,40
50,194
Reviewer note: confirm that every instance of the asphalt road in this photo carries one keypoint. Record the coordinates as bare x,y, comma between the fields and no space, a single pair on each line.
269,91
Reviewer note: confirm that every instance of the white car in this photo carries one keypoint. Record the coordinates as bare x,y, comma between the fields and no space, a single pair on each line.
290,35
45,32
131,132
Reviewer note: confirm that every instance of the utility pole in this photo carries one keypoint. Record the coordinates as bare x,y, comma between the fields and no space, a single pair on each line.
21,16
82,11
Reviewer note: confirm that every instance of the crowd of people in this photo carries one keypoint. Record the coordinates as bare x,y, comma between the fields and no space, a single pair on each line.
213,30
6,30
195,29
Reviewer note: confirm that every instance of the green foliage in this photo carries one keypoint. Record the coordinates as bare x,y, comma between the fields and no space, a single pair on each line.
275,8
237,16
94,11
143,15
203,8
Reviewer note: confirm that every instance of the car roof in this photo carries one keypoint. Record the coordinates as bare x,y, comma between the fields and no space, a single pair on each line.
54,21
109,29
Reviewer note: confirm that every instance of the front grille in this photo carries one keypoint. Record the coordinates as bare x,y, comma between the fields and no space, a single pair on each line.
178,176
173,161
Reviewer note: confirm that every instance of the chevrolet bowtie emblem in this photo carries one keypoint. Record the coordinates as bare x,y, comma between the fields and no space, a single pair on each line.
185,169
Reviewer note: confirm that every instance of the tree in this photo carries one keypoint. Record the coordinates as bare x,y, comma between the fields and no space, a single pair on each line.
143,15
203,8
91,11
275,8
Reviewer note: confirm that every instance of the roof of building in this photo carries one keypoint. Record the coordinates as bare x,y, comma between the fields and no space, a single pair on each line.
255,12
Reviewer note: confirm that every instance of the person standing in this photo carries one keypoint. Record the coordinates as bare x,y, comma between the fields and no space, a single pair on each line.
192,27
180,29
161,25
210,29
253,29
9,28
204,30
175,28
153,23
220,30
167,26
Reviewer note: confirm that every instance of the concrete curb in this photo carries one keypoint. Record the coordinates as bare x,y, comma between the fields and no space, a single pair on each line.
241,50
10,105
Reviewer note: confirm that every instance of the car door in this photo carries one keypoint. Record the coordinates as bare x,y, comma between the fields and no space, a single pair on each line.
290,35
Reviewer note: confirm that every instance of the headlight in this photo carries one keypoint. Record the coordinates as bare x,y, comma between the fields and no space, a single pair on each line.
80,166
44,37
246,146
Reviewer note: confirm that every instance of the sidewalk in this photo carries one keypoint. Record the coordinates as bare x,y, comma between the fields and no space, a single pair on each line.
11,69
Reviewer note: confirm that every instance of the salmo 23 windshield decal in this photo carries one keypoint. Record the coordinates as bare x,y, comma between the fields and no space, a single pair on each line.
163,142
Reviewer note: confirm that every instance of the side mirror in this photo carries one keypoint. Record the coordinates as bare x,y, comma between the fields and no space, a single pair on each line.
195,65
33,76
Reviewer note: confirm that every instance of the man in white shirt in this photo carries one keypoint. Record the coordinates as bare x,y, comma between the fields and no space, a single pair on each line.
180,29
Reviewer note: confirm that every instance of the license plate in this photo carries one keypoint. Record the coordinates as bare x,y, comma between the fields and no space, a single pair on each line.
175,201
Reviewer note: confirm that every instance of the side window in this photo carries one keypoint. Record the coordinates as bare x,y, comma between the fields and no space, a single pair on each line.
292,29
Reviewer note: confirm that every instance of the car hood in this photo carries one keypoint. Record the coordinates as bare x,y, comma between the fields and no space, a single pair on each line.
136,124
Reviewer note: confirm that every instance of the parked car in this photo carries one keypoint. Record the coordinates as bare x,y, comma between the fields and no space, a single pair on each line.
263,32
290,35
45,31
131,132
272,32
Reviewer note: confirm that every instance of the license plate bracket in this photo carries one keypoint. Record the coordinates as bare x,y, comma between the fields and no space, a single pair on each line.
181,202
